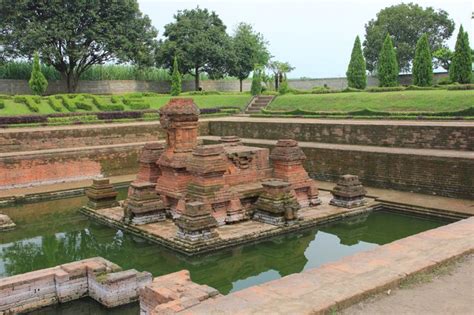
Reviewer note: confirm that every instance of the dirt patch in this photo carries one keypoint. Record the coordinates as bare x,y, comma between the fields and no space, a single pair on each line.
448,289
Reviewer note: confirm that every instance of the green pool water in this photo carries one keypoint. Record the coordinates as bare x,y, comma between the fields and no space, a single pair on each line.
54,232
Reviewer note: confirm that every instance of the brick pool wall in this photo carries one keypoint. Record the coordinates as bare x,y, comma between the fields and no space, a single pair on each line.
432,135
55,166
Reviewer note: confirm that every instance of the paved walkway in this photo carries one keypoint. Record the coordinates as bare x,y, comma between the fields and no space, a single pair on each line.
342,283
46,189
451,293
364,148
447,123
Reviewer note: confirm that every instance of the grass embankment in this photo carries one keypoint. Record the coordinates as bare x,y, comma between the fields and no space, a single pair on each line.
401,101
128,102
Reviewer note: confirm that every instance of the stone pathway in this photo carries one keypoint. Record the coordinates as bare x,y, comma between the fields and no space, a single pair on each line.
447,291
349,121
351,279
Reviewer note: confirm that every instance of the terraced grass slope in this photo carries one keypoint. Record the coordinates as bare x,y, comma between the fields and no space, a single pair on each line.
400,101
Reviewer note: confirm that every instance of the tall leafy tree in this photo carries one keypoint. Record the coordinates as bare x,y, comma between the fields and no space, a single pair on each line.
387,66
249,48
73,35
175,79
461,66
356,76
38,83
406,23
279,69
443,57
423,64
198,37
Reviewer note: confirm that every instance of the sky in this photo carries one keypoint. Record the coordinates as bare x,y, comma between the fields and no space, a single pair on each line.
315,37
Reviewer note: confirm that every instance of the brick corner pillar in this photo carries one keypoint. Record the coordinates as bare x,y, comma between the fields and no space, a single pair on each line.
287,158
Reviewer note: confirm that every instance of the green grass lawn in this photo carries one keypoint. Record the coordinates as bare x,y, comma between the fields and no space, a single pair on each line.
432,100
155,102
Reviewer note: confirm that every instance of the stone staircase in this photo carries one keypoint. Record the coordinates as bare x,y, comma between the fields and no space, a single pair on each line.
258,103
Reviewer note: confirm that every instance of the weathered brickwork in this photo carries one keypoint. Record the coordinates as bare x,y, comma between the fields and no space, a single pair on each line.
94,277
443,175
55,166
445,136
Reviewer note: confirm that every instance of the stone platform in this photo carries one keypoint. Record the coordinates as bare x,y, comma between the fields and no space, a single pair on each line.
164,232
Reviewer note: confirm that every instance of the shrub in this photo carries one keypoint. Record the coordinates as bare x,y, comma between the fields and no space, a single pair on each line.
387,65
386,89
105,107
2,104
55,104
457,87
175,79
26,119
28,100
349,89
73,119
84,106
38,82
115,99
422,63
419,88
284,88
323,90
460,69
444,81
151,116
136,103
110,115
356,75
67,102
256,87
202,93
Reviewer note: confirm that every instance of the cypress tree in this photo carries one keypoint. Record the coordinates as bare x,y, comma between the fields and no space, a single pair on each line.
387,65
356,76
460,69
38,82
422,64
175,79
256,87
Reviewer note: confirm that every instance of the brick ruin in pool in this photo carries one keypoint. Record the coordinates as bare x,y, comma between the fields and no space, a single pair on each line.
204,186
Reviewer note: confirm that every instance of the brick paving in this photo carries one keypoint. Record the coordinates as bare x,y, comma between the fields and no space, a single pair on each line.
342,283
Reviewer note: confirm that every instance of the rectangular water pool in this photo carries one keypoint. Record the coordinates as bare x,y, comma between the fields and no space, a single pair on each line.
54,232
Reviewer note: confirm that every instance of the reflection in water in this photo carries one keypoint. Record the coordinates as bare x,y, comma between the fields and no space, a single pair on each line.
52,233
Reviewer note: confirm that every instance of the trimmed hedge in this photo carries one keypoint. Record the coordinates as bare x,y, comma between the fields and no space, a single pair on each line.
368,112
2,104
55,104
30,101
459,87
105,107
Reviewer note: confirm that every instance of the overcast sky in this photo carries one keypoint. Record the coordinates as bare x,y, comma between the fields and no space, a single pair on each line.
316,37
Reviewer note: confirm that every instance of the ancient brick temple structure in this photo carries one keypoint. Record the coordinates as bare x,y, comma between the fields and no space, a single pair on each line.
101,194
203,186
349,192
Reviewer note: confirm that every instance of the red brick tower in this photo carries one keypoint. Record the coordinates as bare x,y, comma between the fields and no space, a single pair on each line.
180,120
287,158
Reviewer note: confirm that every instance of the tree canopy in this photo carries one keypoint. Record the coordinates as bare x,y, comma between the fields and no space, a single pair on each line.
356,76
423,64
461,66
198,38
279,69
387,66
73,35
249,49
405,23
